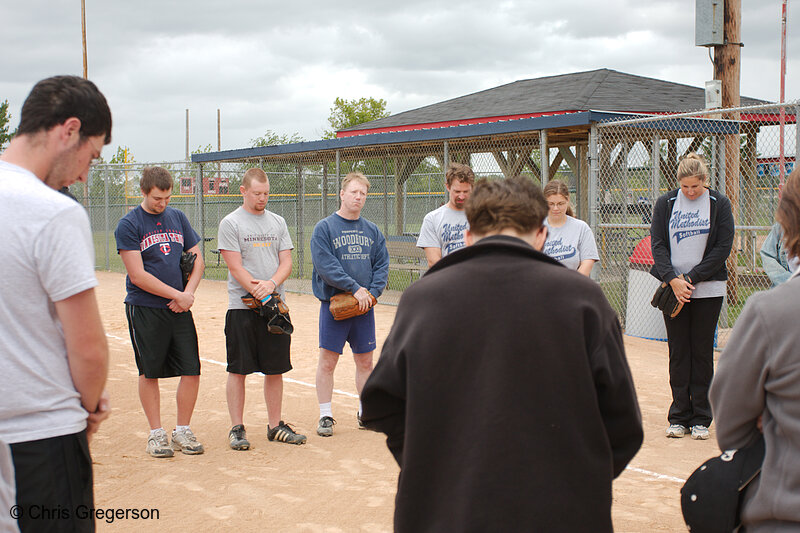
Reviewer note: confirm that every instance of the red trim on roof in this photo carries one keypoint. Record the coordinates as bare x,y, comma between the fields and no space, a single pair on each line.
769,117
448,123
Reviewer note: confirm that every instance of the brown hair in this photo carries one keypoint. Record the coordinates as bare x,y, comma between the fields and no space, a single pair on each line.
53,100
693,164
558,187
515,203
158,177
788,214
357,176
254,174
460,172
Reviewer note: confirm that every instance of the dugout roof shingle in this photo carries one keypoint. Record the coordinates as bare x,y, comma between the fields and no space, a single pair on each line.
604,89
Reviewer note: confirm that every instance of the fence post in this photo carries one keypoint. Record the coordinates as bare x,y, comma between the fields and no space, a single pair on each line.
338,176
385,200
300,221
593,132
324,204
198,194
107,220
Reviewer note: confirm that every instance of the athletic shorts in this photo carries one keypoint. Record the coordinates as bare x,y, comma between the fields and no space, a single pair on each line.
252,348
54,483
164,343
359,331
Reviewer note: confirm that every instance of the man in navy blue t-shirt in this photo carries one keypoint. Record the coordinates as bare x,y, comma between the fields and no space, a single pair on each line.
150,241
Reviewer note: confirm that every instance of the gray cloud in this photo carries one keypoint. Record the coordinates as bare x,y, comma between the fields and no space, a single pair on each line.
279,65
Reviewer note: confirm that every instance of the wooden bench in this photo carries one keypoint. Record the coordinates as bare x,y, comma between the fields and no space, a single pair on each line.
405,256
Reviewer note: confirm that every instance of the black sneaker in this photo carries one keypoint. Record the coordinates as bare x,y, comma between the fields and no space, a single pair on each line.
237,438
283,433
325,426
360,422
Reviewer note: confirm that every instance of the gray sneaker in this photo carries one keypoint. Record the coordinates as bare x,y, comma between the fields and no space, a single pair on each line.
700,432
325,426
237,438
676,431
158,444
186,442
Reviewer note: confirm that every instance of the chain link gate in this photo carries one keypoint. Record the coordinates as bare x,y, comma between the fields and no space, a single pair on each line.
635,161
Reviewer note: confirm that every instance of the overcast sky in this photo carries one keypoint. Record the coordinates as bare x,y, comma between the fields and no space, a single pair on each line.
278,65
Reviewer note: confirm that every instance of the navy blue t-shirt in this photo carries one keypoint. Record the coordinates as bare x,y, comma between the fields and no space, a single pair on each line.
161,239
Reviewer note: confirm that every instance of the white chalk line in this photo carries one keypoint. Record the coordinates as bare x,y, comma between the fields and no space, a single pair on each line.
655,475
220,363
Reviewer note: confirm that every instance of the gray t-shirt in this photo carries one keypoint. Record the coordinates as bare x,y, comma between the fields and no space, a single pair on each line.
689,227
443,228
48,256
571,243
258,238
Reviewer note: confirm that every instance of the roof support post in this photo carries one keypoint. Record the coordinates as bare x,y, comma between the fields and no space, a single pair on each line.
655,169
544,164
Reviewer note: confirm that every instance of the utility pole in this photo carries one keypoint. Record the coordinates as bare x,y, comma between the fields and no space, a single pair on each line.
727,68
83,31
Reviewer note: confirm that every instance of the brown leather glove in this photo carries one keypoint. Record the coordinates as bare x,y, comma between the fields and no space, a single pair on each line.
344,305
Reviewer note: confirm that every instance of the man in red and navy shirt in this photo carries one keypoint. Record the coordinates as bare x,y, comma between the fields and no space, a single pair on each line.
150,241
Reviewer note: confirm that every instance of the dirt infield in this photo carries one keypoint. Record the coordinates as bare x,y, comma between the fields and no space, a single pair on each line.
339,484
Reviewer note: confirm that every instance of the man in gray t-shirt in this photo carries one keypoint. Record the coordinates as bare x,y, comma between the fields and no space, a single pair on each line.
443,229
54,358
257,248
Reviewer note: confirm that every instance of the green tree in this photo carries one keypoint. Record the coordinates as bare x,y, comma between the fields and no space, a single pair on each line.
348,113
270,138
5,118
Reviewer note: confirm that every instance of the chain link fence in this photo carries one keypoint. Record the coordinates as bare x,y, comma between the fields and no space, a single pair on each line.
614,169
406,183
635,162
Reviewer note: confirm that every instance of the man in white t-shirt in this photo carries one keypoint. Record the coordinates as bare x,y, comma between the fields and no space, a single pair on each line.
443,229
54,354
256,245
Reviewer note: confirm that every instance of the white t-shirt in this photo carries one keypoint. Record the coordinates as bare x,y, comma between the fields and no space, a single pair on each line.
48,256
258,238
443,228
571,243
689,227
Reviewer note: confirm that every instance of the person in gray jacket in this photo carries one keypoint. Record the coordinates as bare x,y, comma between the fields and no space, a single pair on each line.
757,388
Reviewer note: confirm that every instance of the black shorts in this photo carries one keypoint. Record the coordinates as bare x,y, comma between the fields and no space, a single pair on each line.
164,343
54,483
251,348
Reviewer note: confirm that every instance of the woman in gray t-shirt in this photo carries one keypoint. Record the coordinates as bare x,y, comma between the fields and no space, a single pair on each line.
569,240
692,234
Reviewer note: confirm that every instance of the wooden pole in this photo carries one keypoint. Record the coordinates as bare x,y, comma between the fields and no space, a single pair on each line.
83,32
727,67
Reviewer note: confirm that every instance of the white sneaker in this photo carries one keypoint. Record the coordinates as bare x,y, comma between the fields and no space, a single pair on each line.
676,431
699,432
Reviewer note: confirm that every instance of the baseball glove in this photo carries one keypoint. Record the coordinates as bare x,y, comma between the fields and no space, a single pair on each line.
344,305
187,265
273,310
665,300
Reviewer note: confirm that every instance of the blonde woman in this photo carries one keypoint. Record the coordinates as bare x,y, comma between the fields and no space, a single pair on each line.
691,235
569,240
